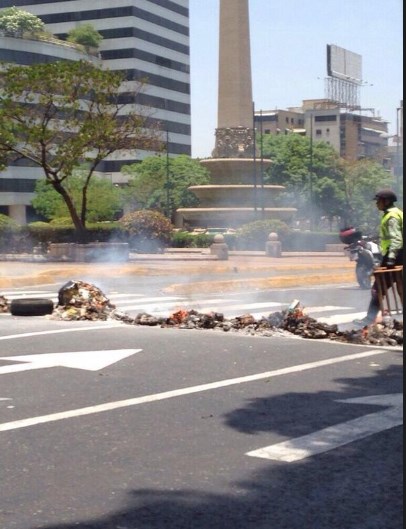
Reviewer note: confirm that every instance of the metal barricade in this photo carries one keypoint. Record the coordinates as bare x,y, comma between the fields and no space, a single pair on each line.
389,284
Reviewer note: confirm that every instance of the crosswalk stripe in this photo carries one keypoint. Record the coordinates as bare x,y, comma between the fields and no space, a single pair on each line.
28,293
146,301
343,318
164,305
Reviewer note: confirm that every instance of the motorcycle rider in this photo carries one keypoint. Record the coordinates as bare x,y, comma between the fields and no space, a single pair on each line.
391,240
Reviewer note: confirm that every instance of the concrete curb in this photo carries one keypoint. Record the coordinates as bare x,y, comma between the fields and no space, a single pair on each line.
260,283
303,270
70,272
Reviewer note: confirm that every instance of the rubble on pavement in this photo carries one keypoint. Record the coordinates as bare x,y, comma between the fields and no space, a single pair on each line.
286,322
4,305
78,300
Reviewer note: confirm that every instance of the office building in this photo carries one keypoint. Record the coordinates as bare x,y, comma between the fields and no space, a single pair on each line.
147,40
354,135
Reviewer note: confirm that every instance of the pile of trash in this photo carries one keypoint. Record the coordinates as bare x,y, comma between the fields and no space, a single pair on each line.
4,305
78,300
287,322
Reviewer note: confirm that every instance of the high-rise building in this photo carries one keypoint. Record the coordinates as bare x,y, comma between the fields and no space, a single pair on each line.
353,135
147,40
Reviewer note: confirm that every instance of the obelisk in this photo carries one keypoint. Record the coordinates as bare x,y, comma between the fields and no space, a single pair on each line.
234,133
236,194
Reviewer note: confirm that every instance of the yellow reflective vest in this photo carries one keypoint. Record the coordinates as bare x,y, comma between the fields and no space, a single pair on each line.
386,236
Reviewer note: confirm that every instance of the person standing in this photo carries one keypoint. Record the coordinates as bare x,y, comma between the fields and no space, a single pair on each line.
391,240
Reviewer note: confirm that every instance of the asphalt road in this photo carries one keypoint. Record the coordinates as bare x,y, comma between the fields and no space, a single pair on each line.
156,433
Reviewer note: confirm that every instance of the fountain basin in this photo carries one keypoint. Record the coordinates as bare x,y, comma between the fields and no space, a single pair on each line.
235,171
236,195
233,217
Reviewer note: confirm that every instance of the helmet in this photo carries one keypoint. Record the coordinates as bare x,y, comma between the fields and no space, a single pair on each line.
386,194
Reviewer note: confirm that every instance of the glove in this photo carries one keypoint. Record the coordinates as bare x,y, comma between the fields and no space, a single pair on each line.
390,263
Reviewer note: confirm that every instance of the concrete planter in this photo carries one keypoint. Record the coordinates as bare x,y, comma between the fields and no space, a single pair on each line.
62,251
91,252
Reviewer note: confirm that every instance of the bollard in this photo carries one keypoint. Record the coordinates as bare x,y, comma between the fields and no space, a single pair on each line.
273,247
219,248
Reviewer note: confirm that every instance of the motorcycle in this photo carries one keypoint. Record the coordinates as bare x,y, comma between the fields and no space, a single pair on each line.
365,251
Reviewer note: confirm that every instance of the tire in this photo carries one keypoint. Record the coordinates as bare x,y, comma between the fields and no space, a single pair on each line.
31,307
363,276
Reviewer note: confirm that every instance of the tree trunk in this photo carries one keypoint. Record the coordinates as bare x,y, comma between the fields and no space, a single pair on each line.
77,221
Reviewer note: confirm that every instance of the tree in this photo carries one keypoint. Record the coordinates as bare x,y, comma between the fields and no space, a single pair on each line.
157,179
149,231
86,35
311,174
361,180
339,189
104,202
62,115
15,22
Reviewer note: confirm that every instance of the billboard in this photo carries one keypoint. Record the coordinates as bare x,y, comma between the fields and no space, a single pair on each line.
344,64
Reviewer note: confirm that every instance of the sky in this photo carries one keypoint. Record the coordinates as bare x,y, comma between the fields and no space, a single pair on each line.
289,58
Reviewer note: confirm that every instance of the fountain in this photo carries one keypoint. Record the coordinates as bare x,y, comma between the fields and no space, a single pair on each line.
236,194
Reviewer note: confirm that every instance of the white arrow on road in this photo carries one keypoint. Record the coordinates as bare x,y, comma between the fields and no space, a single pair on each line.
89,360
340,434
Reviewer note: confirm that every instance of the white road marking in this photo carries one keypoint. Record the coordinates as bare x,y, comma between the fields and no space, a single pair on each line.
109,406
142,300
339,434
88,360
29,293
160,305
59,331
203,306
325,308
343,318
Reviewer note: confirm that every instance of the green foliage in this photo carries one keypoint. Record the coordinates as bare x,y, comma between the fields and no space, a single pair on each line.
320,184
307,241
253,236
298,166
62,222
7,223
184,239
15,22
361,181
86,35
157,179
148,230
103,204
8,228
86,98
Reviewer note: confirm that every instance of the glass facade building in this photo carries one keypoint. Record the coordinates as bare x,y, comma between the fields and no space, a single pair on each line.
146,40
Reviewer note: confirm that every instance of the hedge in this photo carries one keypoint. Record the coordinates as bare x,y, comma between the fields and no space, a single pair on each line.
22,239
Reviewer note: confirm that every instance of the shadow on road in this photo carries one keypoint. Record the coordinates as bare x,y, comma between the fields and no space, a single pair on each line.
358,486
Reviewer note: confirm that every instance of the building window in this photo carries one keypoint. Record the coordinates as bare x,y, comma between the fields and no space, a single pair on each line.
325,118
318,132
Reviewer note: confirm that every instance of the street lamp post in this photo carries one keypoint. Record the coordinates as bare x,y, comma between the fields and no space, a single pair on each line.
168,197
262,165
255,160
397,167
311,171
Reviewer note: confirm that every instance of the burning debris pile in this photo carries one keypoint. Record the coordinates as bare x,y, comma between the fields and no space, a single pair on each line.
78,300
4,305
290,321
